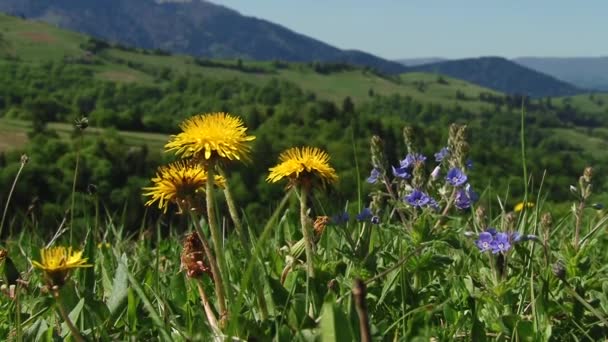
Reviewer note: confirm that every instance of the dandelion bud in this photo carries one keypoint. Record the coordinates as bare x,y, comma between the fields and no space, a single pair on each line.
588,174
24,158
469,234
435,173
377,153
573,190
81,123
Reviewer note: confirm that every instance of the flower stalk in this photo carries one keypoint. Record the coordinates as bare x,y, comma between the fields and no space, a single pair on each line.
310,270
215,272
66,318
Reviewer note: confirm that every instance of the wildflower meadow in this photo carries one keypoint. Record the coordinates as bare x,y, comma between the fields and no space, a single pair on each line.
429,254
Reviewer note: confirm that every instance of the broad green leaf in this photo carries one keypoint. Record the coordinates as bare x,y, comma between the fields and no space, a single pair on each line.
334,325
119,286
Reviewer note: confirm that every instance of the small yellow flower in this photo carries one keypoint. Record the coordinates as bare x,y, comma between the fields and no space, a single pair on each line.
211,135
300,163
181,180
56,262
520,206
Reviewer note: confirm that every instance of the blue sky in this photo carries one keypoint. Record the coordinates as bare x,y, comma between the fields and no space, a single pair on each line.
449,28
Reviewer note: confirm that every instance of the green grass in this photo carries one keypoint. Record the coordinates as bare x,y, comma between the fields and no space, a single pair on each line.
13,134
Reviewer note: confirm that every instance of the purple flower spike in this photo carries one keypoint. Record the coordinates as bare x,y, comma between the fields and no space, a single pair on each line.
418,199
439,156
500,243
373,177
456,177
484,243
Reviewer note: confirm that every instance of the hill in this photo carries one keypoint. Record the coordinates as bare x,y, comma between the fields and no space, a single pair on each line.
502,75
584,72
37,42
198,28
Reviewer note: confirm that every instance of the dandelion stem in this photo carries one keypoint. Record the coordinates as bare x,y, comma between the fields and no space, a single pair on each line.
243,236
74,186
579,220
215,272
67,319
233,211
306,231
207,307
10,194
213,228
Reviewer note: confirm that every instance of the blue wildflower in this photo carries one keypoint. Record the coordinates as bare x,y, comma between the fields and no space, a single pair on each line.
418,199
401,172
439,156
364,215
412,159
465,197
484,243
500,243
341,218
373,177
456,177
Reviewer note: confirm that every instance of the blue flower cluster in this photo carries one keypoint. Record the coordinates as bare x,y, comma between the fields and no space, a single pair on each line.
419,199
404,170
498,242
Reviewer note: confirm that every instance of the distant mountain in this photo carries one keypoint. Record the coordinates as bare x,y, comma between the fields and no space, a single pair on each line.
584,72
420,61
503,75
194,27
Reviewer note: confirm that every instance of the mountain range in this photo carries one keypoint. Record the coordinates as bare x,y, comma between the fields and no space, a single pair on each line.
501,74
583,72
201,28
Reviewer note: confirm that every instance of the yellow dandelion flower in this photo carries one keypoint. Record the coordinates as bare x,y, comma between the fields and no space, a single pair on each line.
210,135
520,206
56,262
181,180
299,163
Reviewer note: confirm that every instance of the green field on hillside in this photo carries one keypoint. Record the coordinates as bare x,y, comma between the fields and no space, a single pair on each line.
13,134
37,42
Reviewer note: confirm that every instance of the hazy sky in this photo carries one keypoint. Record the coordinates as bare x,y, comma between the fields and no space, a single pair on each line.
449,28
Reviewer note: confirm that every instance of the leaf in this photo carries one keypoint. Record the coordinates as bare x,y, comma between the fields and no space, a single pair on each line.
334,325
120,287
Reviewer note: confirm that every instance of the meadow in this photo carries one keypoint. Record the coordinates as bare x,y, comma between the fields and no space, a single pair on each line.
424,257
